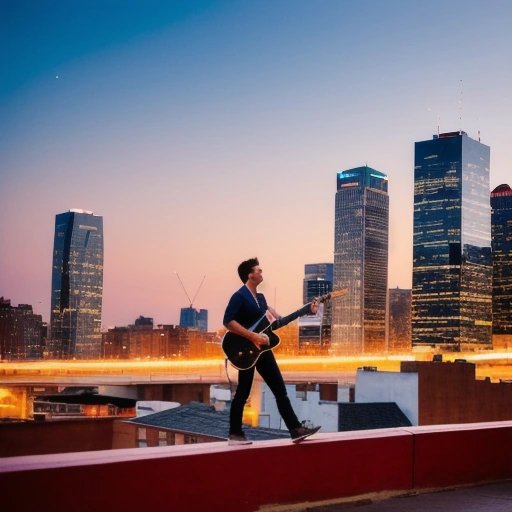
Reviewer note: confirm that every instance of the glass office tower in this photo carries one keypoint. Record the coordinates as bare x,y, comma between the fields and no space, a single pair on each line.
315,330
194,319
501,231
77,285
451,296
318,279
360,261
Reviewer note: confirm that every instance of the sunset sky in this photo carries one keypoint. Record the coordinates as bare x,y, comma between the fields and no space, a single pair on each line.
207,132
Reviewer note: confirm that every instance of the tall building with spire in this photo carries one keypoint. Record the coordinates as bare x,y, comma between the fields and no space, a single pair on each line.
501,244
452,272
361,234
77,285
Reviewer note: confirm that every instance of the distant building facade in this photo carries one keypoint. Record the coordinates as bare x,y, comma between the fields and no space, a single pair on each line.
400,310
289,336
22,333
142,341
143,321
360,261
501,234
314,404
77,285
186,424
318,278
315,330
435,393
193,318
452,272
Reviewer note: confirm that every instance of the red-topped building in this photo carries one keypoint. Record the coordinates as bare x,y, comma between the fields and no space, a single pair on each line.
501,245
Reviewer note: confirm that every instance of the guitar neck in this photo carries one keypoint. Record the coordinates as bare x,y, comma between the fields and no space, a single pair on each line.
285,320
304,310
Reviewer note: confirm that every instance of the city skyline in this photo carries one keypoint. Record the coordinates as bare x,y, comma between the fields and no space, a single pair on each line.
164,118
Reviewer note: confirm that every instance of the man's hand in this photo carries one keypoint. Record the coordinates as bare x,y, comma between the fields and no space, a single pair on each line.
314,307
260,339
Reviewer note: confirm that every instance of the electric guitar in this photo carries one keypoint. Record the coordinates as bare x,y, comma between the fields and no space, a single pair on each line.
243,354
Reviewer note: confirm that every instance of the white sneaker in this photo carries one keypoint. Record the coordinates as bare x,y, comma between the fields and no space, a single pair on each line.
235,439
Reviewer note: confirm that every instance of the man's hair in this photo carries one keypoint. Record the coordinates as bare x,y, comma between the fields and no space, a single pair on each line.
245,268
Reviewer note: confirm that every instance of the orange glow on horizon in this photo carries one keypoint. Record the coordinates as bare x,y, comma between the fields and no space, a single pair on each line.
192,367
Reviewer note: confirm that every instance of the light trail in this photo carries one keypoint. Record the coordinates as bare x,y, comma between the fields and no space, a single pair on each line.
497,365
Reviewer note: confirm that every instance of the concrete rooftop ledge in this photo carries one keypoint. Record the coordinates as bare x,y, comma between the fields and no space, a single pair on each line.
215,476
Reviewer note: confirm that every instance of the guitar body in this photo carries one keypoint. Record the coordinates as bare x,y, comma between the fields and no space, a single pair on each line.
242,353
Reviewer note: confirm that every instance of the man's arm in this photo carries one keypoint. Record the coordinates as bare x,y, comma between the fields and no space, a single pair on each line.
309,309
258,339
274,313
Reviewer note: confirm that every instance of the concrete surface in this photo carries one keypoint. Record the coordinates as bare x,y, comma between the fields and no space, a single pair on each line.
492,497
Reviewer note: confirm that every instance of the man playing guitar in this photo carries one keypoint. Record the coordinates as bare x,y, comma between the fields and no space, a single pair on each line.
246,307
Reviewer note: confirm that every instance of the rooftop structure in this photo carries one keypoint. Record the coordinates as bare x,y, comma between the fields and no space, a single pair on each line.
201,423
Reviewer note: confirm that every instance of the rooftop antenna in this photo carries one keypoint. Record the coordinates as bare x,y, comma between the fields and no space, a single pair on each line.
191,301
461,104
438,123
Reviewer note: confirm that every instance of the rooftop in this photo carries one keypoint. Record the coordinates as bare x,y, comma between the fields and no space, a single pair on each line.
202,419
370,415
362,171
502,190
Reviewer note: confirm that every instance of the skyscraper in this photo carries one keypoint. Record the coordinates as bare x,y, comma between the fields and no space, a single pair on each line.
451,295
77,285
501,244
315,330
399,333
317,280
192,318
360,261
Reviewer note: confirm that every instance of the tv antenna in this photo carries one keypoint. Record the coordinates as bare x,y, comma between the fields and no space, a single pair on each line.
191,301
461,103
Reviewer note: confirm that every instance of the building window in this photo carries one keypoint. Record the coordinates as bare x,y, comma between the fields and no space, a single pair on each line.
142,441
162,438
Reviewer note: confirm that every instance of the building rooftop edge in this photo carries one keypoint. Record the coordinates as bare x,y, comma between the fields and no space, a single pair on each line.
502,190
80,210
364,168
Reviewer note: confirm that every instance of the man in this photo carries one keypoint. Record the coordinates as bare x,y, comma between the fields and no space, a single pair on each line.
244,309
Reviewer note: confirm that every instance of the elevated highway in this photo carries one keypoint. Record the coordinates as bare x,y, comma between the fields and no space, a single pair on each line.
494,365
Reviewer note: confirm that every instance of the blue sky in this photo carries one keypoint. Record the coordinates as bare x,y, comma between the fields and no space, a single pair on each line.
208,132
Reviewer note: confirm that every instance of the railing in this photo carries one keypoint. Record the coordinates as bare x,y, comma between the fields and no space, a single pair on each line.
215,476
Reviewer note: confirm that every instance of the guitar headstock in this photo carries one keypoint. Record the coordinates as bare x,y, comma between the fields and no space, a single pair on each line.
331,295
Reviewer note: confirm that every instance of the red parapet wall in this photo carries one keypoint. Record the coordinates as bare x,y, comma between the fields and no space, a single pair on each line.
449,455
215,476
